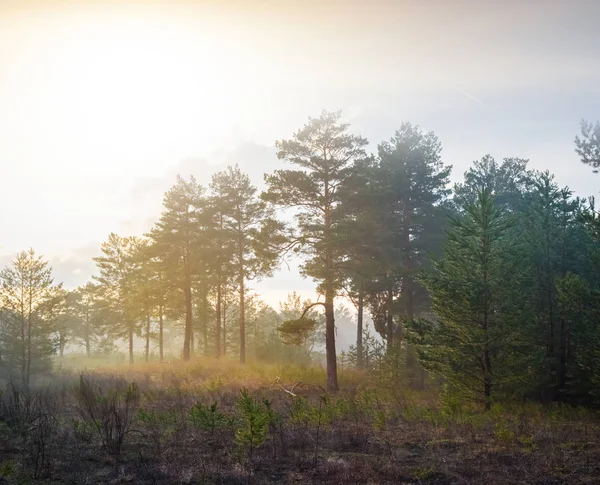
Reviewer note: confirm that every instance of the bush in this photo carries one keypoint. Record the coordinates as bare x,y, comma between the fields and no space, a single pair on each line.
31,415
111,412
208,417
254,425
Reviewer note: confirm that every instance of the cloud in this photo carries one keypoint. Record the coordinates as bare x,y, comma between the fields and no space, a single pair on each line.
76,267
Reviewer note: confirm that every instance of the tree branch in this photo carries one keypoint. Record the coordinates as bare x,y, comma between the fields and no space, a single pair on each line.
311,306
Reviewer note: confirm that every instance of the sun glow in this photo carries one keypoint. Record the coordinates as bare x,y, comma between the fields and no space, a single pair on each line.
111,87
97,99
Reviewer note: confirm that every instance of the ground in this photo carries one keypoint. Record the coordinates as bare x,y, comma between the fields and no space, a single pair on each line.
285,429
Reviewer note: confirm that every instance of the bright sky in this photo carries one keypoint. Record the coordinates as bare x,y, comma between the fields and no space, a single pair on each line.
103,103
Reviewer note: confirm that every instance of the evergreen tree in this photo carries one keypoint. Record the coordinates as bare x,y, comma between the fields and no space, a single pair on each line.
359,234
253,231
554,242
412,189
29,299
178,237
588,146
508,181
323,151
144,288
90,316
477,303
116,282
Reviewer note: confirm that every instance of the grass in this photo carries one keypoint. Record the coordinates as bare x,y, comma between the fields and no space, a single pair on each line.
194,422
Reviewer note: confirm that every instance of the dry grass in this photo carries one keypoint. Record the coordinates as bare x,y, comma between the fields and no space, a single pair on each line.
369,433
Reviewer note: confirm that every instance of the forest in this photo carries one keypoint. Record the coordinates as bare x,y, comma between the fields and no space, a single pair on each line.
476,308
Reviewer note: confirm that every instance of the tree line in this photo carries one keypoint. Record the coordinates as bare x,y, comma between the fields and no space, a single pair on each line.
488,287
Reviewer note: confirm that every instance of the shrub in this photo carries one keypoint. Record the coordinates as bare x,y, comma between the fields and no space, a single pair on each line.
208,417
111,412
254,425
32,416
158,426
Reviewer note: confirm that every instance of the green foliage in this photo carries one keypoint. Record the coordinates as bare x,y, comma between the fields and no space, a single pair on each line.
297,331
7,468
504,434
30,302
83,430
322,152
153,417
588,146
208,417
475,295
255,419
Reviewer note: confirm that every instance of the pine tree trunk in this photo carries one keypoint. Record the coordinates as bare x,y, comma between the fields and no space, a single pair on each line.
23,344
562,375
224,318
192,346
203,310
130,345
332,380
61,345
218,328
87,333
29,323
147,337
187,292
160,333
390,320
242,312
359,330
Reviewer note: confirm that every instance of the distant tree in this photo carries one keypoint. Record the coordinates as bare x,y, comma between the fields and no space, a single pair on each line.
588,146
91,315
115,278
411,189
323,151
253,230
65,318
220,268
145,290
178,238
28,301
508,181
361,237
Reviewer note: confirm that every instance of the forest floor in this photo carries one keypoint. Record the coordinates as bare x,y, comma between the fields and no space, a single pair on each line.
286,430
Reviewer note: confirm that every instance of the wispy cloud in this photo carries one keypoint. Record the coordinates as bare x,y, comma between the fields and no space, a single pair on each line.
464,93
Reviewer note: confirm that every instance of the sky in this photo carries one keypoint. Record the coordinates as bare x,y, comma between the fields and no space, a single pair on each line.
103,103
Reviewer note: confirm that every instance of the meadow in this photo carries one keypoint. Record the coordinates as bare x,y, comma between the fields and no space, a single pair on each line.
208,422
